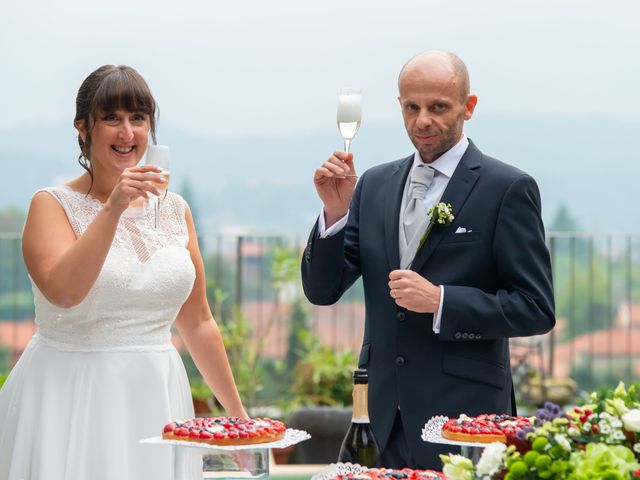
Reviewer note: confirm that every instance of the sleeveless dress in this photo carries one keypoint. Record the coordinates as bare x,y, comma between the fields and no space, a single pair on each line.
98,377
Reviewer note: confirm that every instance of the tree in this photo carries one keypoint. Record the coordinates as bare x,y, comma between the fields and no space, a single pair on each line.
563,221
11,219
298,324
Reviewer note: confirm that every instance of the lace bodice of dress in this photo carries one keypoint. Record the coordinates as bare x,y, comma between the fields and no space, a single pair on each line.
144,281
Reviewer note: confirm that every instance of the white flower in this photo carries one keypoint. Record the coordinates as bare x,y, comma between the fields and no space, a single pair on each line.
616,406
458,468
491,460
605,428
636,447
562,441
618,435
573,432
586,427
631,420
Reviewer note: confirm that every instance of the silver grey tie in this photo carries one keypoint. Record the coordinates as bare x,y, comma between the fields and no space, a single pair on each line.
416,212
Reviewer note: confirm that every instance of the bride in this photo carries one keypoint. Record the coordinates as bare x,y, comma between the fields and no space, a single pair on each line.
101,373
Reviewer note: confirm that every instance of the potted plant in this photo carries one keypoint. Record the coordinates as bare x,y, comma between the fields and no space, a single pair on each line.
322,388
201,395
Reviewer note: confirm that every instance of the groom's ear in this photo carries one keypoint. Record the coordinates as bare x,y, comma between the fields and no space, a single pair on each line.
470,105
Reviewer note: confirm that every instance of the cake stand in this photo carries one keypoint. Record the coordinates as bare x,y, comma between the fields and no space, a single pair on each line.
226,462
432,432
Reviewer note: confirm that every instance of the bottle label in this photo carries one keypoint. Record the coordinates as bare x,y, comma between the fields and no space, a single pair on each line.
360,404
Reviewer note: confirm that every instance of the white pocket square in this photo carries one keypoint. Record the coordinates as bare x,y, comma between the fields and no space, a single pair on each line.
463,230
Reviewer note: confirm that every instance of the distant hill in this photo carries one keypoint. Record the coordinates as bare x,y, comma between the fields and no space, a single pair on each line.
264,184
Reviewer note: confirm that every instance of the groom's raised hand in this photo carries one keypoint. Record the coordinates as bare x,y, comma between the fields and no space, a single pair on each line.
334,189
414,292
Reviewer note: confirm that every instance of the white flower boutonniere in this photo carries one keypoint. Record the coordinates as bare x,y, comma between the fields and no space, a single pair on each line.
441,214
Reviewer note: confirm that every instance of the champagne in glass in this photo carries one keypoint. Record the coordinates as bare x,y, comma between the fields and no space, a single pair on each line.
158,155
349,117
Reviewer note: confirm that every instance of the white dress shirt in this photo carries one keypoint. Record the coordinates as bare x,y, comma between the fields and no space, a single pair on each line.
444,166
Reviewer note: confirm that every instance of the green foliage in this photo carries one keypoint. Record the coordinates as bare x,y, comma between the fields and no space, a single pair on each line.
285,267
16,306
5,358
199,389
245,344
14,280
298,325
323,376
244,355
3,378
630,395
596,441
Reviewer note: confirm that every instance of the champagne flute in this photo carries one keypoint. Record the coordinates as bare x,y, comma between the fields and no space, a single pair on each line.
158,155
349,117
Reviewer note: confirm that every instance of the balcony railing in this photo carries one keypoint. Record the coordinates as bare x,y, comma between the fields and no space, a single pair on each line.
596,281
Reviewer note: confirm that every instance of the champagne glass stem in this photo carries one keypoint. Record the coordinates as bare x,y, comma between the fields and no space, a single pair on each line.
347,142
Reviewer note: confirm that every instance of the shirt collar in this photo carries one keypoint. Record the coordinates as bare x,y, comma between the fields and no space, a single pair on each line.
448,161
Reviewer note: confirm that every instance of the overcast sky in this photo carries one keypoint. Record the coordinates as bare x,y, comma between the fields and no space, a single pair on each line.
258,67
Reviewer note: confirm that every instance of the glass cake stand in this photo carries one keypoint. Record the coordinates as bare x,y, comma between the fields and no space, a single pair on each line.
226,462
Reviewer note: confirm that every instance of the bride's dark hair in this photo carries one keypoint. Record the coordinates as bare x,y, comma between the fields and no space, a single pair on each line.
107,89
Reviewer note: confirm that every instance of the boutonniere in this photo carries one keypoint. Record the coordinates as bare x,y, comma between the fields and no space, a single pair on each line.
441,214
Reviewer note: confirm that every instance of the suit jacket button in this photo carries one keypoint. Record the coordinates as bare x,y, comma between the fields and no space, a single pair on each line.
472,336
399,361
457,336
465,336
478,336
400,316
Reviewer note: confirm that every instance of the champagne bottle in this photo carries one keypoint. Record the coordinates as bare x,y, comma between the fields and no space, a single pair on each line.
359,444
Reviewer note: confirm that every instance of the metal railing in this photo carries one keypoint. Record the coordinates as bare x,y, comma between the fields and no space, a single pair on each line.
596,281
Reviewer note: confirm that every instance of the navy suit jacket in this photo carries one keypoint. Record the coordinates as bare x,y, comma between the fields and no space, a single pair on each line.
497,285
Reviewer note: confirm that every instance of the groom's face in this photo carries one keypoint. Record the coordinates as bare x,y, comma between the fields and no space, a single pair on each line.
434,108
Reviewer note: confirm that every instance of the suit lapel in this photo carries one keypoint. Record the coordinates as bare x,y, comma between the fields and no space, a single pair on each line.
393,195
462,182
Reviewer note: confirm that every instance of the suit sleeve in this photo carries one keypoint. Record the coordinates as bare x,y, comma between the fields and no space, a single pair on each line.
331,265
523,305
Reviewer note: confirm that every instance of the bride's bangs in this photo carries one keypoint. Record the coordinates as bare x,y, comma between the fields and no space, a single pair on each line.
124,90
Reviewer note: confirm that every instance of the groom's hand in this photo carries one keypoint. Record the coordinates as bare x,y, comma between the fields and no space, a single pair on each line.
335,192
413,292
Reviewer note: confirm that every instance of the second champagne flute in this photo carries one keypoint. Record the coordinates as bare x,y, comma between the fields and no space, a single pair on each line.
158,155
349,117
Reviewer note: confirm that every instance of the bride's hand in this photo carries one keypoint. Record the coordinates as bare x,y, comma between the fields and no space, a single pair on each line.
135,182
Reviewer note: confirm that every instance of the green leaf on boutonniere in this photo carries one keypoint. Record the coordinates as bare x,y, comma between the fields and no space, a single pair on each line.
441,214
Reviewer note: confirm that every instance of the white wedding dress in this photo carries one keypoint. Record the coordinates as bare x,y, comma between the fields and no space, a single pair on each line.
98,377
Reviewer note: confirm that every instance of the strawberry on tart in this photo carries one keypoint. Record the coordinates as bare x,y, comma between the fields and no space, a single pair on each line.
484,428
389,473
225,430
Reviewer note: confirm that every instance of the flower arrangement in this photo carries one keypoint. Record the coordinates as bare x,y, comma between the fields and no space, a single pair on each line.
600,440
441,214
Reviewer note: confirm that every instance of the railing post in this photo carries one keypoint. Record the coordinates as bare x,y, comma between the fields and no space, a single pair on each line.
239,271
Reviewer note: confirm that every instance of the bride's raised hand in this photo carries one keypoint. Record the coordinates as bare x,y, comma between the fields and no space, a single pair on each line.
135,182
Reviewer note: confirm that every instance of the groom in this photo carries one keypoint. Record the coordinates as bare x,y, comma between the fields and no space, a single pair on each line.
439,317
